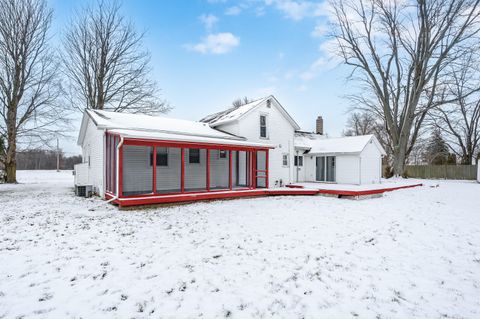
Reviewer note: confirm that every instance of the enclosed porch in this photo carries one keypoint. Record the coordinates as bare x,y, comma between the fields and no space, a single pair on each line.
159,171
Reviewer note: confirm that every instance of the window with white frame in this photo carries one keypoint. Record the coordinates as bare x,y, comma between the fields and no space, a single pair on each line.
285,160
263,126
162,156
298,160
222,154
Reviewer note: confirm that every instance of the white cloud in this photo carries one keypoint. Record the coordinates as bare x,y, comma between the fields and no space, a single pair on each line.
233,11
218,43
319,31
208,21
314,69
297,9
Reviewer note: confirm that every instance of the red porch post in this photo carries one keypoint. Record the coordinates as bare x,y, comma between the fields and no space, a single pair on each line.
254,169
266,169
120,171
208,169
154,167
182,169
230,169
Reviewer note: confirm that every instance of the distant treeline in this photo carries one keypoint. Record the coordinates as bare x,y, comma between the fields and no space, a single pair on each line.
45,159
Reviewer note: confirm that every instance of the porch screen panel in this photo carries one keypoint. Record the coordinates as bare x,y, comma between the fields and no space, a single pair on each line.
169,171
108,164
137,170
113,168
219,169
261,169
241,169
195,169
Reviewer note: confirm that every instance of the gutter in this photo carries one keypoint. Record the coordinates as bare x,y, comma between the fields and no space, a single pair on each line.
118,172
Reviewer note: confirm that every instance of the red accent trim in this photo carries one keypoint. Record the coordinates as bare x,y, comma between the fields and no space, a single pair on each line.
208,170
120,172
165,143
154,168
294,186
266,168
230,184
182,170
254,170
188,197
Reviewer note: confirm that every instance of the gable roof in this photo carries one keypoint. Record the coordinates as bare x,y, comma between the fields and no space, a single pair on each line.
236,113
158,127
317,144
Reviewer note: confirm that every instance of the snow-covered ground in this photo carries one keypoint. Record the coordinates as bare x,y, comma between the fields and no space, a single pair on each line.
414,253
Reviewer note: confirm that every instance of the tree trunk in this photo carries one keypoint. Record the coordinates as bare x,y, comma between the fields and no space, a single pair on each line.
11,163
399,158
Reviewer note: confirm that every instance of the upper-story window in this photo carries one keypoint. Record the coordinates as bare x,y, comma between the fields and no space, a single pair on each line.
263,126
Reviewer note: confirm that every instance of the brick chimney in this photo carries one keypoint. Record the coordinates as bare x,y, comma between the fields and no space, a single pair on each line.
319,126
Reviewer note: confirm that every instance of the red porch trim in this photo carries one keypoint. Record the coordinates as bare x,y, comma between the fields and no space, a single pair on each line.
230,170
208,169
167,143
154,167
182,169
266,168
120,171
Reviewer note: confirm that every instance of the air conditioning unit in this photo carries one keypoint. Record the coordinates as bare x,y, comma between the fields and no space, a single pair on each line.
84,190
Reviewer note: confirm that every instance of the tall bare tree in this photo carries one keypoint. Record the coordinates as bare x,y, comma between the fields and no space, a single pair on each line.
398,51
28,83
459,121
241,101
106,64
360,123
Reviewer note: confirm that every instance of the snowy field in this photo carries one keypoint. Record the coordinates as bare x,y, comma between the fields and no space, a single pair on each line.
414,253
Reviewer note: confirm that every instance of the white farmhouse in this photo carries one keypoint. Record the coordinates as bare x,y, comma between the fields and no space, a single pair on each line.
242,151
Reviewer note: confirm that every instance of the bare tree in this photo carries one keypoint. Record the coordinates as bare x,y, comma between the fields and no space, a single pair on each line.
28,82
241,101
398,51
459,121
360,123
106,64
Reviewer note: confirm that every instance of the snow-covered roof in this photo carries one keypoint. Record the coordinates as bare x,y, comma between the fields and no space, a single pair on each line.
147,135
236,113
160,127
318,144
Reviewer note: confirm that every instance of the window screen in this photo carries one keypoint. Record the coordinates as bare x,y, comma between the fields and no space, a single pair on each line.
162,157
194,156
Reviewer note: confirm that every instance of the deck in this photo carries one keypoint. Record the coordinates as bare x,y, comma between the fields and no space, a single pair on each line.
302,189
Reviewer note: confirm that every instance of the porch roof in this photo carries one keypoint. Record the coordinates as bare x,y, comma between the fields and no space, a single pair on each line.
340,145
171,137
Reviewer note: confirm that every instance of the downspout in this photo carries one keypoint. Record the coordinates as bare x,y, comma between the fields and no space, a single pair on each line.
118,172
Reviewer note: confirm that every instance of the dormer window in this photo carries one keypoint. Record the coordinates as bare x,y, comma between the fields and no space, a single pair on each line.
263,126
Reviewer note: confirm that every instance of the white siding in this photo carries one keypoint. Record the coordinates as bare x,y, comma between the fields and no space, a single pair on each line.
371,164
280,134
348,169
92,150
137,172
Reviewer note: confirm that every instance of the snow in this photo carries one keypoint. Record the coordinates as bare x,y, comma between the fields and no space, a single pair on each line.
348,144
385,183
232,113
159,124
186,138
414,253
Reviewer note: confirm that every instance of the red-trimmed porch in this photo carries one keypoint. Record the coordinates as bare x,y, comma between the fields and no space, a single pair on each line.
148,171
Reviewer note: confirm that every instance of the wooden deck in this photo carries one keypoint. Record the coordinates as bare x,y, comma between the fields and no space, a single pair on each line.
290,190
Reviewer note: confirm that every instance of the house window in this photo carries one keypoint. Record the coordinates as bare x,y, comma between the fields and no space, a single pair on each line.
222,154
263,126
194,156
285,160
162,156
298,160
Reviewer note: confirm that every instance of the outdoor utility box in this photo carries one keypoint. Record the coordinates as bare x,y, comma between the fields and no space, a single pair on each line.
84,190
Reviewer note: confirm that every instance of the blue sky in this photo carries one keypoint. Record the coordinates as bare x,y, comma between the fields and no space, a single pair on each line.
206,53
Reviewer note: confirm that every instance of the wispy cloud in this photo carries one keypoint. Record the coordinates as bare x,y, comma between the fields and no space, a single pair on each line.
208,21
219,43
297,9
319,31
233,11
